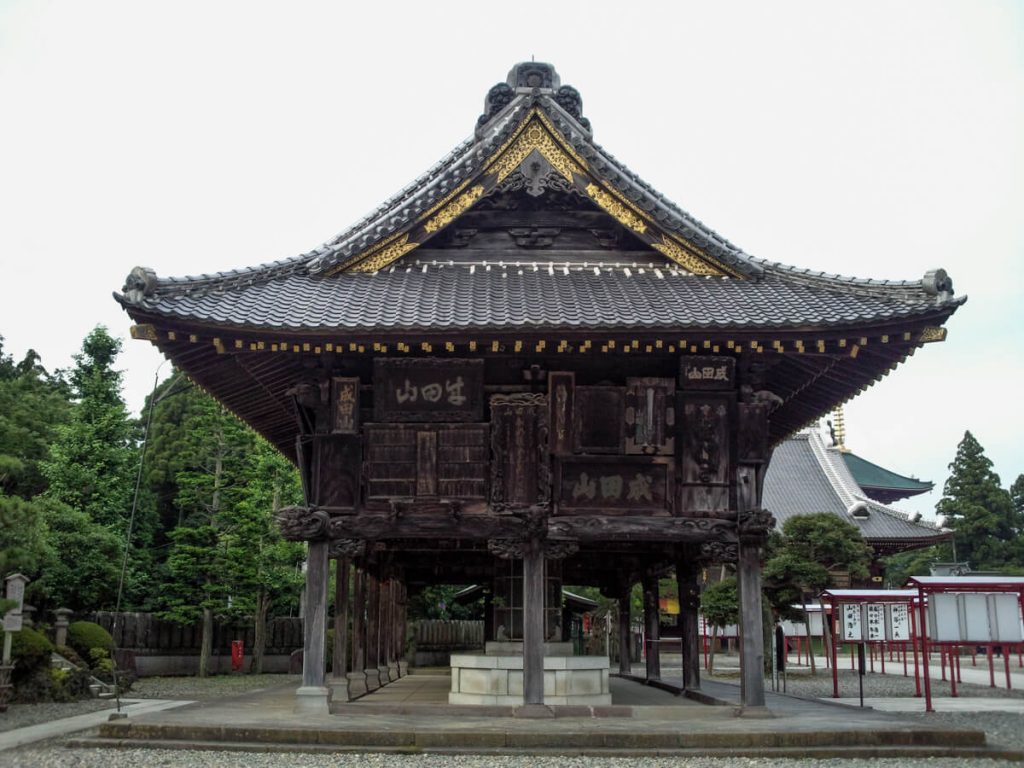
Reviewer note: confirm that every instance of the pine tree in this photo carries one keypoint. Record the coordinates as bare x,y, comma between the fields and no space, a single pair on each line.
981,513
91,460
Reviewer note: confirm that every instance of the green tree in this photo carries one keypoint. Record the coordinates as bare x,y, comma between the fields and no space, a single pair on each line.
83,568
214,455
32,404
803,559
720,606
23,537
261,567
90,463
986,526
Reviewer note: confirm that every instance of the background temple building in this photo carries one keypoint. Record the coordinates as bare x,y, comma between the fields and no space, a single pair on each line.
529,368
808,475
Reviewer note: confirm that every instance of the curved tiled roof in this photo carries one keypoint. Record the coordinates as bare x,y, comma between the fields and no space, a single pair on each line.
443,296
805,477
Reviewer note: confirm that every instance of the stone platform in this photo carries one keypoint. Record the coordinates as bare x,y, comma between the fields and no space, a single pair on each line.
654,722
495,677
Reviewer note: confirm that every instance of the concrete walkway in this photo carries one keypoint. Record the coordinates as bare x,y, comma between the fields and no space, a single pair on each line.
940,704
68,725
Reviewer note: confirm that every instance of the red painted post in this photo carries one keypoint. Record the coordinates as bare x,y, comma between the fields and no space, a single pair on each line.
942,661
991,667
904,649
924,651
881,655
952,672
829,628
1006,662
853,654
871,655
956,657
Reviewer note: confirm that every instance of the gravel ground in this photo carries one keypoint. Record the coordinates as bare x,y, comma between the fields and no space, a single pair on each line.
20,715
57,757
890,685
207,688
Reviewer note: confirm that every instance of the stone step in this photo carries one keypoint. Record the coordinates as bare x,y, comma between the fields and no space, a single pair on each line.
846,751
567,738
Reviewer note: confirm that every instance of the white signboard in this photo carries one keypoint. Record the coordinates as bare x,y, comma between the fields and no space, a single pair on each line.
12,621
1005,619
944,618
899,622
875,615
974,617
850,625
16,591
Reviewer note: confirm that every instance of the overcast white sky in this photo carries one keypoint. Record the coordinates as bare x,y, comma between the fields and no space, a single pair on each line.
876,139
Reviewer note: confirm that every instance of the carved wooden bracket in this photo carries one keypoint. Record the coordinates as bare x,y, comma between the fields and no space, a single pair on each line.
346,548
513,549
719,552
755,524
303,523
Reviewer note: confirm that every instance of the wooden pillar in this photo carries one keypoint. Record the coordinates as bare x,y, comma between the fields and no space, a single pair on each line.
688,581
652,628
533,624
751,631
624,597
357,677
372,653
312,694
341,618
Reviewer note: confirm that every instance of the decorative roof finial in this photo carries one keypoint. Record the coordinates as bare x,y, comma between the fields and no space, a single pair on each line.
839,429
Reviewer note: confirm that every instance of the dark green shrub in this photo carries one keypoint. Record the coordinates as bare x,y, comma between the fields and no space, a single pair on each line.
83,636
30,651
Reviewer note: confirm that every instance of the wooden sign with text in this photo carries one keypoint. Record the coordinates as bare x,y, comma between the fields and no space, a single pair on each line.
704,372
614,485
428,390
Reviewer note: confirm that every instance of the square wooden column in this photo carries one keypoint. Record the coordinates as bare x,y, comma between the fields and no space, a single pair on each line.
751,630
533,624
357,677
688,581
625,659
372,653
652,628
313,694
339,653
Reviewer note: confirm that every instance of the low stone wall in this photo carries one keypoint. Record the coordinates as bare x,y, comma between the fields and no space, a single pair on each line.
490,679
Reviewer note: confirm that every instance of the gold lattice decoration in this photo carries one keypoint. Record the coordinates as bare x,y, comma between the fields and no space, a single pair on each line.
932,333
683,258
619,212
454,209
385,253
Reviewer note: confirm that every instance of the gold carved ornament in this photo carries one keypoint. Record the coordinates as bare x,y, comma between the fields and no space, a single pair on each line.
932,333
619,212
535,137
386,252
454,209
683,257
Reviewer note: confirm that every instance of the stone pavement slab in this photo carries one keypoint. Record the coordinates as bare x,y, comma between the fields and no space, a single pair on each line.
68,725
940,704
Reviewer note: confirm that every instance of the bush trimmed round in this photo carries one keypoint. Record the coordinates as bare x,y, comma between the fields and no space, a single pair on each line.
31,652
83,636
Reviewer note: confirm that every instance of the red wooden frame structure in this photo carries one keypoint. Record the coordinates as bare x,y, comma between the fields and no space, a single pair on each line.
934,585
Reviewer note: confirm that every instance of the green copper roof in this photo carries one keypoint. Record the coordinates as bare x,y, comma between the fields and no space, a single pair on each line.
876,480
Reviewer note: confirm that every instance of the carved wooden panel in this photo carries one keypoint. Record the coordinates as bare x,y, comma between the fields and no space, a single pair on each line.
650,416
304,457
599,419
520,468
345,405
613,485
428,390
408,460
338,466
705,372
703,500
705,433
426,463
752,433
561,386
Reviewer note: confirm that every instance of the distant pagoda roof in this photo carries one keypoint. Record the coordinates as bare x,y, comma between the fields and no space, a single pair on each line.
805,476
643,276
883,484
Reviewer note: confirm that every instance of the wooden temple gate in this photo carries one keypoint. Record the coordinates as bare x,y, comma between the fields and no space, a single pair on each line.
529,362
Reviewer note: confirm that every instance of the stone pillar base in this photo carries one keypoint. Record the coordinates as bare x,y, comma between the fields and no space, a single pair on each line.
372,679
393,671
533,711
312,700
339,688
403,668
356,685
385,674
